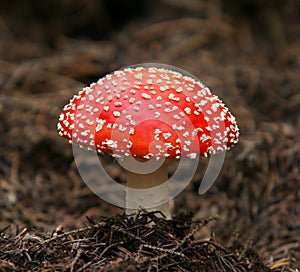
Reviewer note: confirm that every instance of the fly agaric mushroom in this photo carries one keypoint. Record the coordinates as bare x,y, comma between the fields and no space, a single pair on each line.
151,114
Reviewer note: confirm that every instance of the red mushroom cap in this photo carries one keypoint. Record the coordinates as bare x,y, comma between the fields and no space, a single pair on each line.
149,112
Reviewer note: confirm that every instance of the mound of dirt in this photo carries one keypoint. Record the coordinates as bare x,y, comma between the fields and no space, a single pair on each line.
143,242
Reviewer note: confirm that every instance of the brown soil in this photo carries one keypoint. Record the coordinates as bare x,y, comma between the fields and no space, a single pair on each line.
247,52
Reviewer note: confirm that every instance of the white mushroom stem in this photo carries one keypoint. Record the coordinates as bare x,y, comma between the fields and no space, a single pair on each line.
151,189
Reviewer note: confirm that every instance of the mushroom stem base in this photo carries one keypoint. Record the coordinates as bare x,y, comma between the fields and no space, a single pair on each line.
138,201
